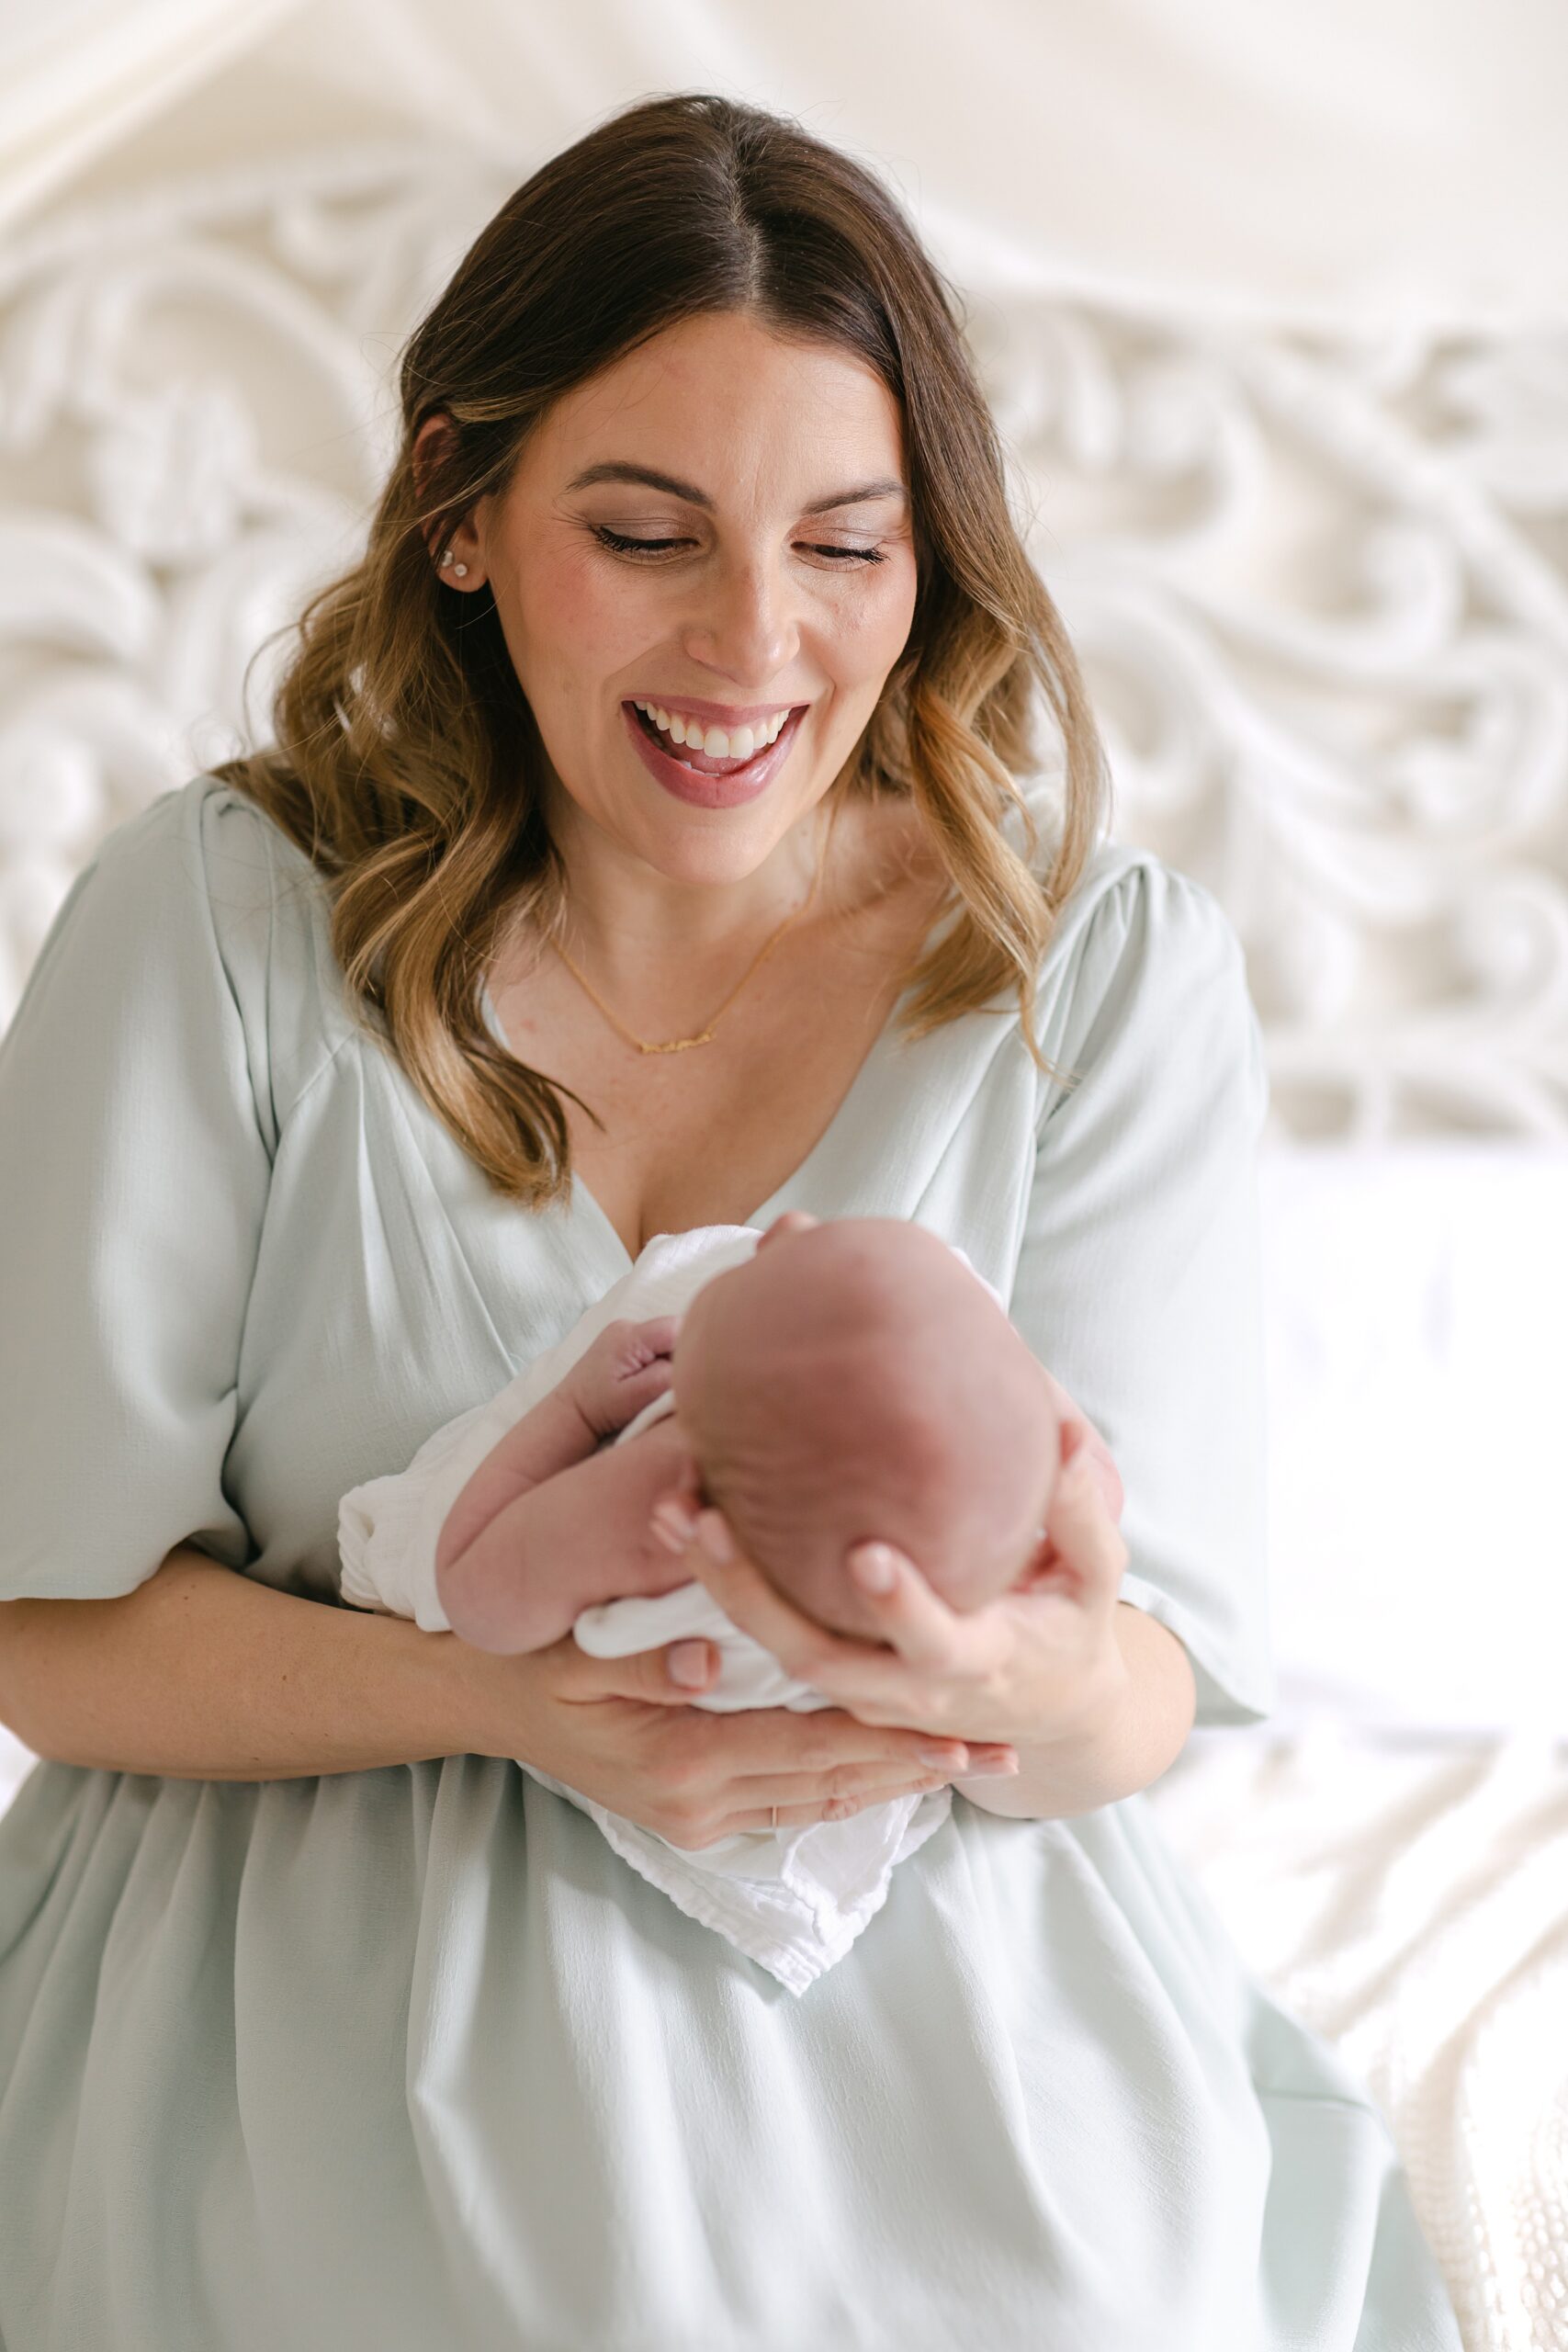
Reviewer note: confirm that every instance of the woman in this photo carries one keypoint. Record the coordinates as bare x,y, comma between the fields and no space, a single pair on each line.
346,1079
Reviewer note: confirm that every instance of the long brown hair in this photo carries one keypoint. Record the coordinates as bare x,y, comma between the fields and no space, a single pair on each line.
406,757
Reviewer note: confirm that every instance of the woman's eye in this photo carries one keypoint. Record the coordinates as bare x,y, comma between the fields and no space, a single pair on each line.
623,543
851,555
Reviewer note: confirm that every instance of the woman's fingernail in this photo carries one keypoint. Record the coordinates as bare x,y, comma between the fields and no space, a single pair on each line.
872,1566
715,1536
689,1665
945,1759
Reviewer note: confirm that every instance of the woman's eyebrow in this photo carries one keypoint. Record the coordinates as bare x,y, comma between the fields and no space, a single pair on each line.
617,469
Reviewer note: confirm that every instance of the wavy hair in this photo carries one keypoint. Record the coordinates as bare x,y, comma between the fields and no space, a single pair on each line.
406,758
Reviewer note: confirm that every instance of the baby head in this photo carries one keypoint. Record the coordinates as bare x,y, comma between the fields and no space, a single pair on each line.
856,1379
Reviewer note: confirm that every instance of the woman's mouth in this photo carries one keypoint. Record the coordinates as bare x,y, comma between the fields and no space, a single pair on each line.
742,763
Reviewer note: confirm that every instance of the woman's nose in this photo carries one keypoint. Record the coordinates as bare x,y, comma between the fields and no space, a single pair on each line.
745,628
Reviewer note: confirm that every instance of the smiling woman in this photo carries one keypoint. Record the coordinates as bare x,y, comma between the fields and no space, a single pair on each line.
754,481
629,597
327,2018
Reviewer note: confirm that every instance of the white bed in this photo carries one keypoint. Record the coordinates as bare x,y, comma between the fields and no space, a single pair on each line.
1389,1851
1407,1894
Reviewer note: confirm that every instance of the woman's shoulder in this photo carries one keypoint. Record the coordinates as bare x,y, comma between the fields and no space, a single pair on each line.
1137,942
1128,901
203,862
1126,904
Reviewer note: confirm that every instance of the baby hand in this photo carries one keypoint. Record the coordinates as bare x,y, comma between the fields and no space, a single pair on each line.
624,1367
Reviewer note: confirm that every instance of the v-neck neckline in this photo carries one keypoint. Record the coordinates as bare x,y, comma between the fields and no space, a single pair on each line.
870,1063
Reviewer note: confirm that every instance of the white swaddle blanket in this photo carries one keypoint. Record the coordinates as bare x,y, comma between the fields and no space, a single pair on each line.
793,1900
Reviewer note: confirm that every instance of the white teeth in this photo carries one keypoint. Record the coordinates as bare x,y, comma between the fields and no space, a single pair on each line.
716,742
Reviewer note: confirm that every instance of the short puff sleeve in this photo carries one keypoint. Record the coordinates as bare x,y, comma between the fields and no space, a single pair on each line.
1138,1281
134,1166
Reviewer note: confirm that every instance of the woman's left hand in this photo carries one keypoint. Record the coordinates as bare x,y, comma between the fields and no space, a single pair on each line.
1040,1663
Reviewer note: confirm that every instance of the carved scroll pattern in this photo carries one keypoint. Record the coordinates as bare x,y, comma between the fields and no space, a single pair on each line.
1319,588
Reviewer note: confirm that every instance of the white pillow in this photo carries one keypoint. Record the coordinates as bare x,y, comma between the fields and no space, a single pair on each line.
1416,1315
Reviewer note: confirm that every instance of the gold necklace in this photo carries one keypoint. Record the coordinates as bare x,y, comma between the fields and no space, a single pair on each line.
704,1036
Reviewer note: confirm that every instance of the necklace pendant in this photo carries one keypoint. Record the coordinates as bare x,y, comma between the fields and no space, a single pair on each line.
679,1045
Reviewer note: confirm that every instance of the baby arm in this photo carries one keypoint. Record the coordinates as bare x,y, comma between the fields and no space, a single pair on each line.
555,1519
626,1366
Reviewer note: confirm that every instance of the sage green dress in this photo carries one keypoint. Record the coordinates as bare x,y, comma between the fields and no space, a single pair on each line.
409,2060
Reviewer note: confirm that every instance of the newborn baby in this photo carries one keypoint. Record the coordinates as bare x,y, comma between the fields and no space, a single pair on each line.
851,1380
821,1383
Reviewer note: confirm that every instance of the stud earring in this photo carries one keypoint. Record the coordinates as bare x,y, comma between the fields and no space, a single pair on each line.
459,570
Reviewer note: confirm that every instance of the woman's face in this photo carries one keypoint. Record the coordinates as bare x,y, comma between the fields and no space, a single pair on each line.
717,525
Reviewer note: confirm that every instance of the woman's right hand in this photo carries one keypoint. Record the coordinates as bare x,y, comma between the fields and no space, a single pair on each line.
623,1732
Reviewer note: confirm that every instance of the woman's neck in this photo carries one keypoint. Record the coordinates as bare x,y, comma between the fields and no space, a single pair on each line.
626,919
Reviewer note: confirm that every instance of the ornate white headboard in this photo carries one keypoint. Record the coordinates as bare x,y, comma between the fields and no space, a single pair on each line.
1320,586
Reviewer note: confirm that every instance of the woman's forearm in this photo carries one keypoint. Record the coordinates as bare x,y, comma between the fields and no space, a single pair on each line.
1138,1735
201,1674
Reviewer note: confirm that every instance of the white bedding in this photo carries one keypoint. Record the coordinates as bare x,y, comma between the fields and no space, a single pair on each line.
1407,1897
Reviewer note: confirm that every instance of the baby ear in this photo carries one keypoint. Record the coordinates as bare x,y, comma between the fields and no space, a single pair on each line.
679,1475
687,1481
673,1512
